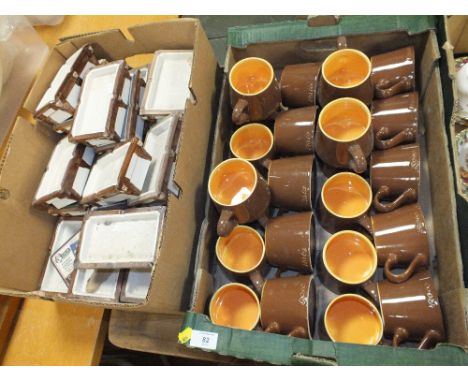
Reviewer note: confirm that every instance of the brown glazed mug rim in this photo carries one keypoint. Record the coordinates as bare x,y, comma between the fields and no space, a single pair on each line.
265,127
355,100
359,297
309,291
369,204
217,166
367,59
272,77
368,242
225,237
243,287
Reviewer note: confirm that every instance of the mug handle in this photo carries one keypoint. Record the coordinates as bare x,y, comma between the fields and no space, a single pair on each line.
358,163
393,260
400,335
386,88
226,223
406,135
257,280
273,327
431,338
239,113
299,332
365,222
341,42
408,195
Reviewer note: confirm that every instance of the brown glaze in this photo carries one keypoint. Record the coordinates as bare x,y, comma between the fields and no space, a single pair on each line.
355,67
344,202
291,182
263,101
395,174
289,241
299,84
288,306
395,120
401,239
251,208
410,310
344,138
393,72
294,131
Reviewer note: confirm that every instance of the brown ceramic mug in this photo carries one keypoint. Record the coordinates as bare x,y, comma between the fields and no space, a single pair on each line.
401,240
410,310
395,120
395,174
349,257
252,142
345,137
291,181
299,84
351,318
344,202
243,252
240,194
294,131
290,241
288,306
236,306
393,72
345,73
255,93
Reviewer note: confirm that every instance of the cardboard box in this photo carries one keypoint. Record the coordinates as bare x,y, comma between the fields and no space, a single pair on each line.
26,232
290,43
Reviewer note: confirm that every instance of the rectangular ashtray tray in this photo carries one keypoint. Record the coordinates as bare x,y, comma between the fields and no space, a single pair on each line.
159,143
58,104
100,117
134,123
93,284
66,175
167,88
117,175
52,281
121,238
136,285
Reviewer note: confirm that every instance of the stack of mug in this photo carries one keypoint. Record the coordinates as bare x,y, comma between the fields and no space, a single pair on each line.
359,116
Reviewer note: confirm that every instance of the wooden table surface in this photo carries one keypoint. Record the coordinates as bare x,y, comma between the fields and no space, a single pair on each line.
45,332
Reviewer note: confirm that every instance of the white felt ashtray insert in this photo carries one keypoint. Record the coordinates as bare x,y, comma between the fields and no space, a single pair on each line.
66,175
159,143
52,281
167,87
100,117
136,286
96,284
121,238
117,175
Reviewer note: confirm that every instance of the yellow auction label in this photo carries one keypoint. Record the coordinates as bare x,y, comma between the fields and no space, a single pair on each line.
185,335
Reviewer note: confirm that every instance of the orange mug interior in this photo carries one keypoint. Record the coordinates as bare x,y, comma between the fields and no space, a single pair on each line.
346,68
236,306
232,182
251,76
242,250
346,195
350,257
353,319
252,142
345,119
